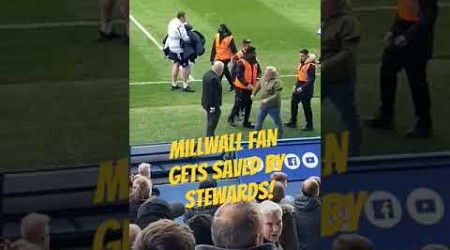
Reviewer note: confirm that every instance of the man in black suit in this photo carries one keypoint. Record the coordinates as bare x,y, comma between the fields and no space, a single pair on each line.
212,96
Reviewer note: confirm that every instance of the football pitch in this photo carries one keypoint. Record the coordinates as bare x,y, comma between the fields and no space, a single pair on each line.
64,96
278,30
375,19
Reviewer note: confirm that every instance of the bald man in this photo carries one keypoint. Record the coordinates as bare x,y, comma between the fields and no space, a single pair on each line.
307,214
212,96
238,226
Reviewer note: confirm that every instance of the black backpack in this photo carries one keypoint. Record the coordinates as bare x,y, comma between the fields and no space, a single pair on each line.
165,50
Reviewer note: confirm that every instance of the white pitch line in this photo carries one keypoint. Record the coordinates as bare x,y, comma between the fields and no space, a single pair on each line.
166,82
152,38
23,26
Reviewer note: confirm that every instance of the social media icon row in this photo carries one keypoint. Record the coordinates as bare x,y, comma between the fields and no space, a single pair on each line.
424,205
309,160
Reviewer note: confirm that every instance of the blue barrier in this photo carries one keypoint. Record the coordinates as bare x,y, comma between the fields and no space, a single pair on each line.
407,200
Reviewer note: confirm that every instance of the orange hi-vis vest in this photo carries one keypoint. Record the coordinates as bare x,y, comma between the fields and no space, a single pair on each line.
408,10
238,56
223,51
250,74
302,72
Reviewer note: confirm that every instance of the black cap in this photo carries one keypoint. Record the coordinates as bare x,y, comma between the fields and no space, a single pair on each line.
155,209
247,41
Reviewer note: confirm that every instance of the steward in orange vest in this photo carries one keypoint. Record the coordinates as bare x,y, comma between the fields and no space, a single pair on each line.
303,90
223,49
247,73
409,46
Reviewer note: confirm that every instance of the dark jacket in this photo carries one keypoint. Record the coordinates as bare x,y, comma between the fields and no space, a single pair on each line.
212,91
262,247
419,35
277,245
288,239
196,47
210,210
307,219
340,39
134,207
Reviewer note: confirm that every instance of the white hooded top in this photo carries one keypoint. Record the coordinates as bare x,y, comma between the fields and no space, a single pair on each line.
176,32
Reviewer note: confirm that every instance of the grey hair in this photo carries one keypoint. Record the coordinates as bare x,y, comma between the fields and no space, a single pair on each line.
272,71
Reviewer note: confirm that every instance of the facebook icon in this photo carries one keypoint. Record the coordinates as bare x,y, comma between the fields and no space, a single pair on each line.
424,206
382,209
292,161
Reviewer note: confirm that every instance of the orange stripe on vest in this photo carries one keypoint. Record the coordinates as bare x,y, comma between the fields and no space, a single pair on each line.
250,74
302,72
223,51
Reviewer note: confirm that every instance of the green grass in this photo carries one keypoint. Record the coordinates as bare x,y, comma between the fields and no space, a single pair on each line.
159,115
64,96
374,24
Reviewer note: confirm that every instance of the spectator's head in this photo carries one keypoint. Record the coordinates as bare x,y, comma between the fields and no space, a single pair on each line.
237,225
155,209
218,67
279,192
182,16
200,224
223,29
352,242
144,170
133,232
142,189
270,73
272,215
279,176
35,229
303,55
246,43
165,235
311,187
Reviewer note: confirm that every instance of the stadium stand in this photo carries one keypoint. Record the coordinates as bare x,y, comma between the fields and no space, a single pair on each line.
65,195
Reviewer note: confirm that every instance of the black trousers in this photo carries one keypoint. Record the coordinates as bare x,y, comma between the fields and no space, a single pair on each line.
242,99
227,72
305,99
212,119
416,73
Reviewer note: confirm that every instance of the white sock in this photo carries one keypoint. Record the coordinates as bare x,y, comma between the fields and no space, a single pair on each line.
174,84
185,85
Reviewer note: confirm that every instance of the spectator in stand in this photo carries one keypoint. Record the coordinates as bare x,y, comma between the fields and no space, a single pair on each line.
352,242
283,178
288,239
35,230
165,235
141,191
200,224
237,226
133,232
